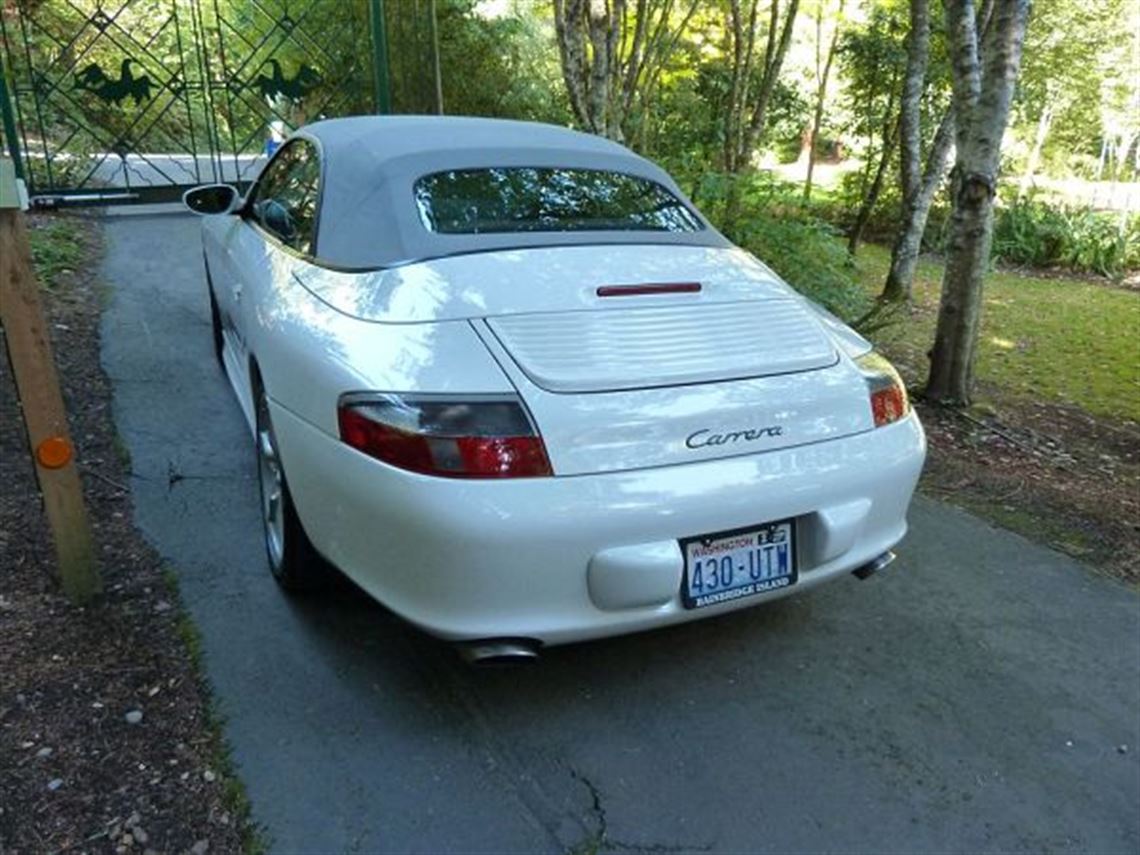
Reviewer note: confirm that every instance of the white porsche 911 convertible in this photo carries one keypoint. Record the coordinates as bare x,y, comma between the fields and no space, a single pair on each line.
507,379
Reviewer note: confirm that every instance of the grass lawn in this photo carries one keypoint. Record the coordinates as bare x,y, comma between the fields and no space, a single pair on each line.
1053,339
57,247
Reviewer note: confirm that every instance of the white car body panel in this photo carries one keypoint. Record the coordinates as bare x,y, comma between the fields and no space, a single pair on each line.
665,425
664,416
634,347
309,353
546,279
468,560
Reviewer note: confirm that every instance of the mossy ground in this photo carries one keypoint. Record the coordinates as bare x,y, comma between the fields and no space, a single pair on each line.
1051,446
1053,339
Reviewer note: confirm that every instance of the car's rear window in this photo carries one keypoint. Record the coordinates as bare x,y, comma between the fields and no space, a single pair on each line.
541,199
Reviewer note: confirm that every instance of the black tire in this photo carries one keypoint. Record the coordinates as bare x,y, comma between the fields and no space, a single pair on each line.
216,329
215,318
295,564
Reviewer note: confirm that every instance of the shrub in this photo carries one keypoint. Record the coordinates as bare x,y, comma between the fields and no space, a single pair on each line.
809,254
772,222
1031,232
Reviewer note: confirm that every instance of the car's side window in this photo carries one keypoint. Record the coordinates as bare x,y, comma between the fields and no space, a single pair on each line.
285,201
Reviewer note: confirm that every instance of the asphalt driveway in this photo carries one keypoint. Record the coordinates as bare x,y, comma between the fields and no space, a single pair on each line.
982,695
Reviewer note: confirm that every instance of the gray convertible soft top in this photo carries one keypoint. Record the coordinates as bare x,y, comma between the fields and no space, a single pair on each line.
368,215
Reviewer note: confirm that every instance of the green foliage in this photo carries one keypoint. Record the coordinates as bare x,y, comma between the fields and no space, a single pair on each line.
682,122
872,59
1076,63
809,255
1034,233
885,218
1027,232
499,66
773,223
788,115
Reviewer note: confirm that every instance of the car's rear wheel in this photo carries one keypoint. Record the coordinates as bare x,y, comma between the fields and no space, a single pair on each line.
295,564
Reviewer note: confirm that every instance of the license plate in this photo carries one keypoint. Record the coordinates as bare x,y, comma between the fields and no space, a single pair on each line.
733,564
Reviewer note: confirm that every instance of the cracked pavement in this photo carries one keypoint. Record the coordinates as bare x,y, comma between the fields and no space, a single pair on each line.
983,695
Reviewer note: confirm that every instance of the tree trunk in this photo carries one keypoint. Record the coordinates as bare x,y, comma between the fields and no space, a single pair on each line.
871,196
1044,123
609,72
916,210
599,26
806,143
744,136
438,76
959,315
572,51
983,82
910,105
741,39
904,252
816,122
821,91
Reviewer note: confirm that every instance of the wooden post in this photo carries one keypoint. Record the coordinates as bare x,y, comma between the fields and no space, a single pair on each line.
37,386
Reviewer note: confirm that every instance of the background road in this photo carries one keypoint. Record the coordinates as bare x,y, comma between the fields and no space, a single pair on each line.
982,695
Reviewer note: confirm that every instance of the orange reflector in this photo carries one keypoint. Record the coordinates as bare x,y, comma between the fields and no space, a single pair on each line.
54,452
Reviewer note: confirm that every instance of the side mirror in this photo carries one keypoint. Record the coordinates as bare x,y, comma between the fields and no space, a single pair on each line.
211,199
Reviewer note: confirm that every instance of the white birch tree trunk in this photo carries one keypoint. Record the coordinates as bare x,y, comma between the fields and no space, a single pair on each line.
612,56
918,185
983,83
1044,123
916,211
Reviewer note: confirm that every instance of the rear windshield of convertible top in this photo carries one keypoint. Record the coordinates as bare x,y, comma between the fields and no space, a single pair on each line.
547,199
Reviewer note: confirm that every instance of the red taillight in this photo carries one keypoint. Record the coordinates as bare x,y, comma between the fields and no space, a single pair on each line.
889,401
475,438
888,405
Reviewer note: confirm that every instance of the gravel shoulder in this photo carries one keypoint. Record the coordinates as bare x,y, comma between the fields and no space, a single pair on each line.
107,740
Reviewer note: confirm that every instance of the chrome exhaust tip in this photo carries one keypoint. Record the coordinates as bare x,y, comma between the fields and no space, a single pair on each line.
872,567
499,651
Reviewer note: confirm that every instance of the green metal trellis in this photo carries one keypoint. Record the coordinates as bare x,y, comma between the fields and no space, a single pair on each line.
136,100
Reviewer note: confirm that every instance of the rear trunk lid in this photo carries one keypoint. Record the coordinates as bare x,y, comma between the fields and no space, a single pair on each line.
664,425
632,348
632,381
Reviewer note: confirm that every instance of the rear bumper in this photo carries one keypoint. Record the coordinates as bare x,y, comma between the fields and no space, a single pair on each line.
570,558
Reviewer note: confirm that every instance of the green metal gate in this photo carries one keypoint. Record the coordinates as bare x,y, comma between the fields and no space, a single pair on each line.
136,100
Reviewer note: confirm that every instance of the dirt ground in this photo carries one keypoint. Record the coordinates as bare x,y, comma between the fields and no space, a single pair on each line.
1050,472
79,769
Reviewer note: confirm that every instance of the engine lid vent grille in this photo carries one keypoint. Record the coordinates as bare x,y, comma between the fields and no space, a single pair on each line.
644,347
